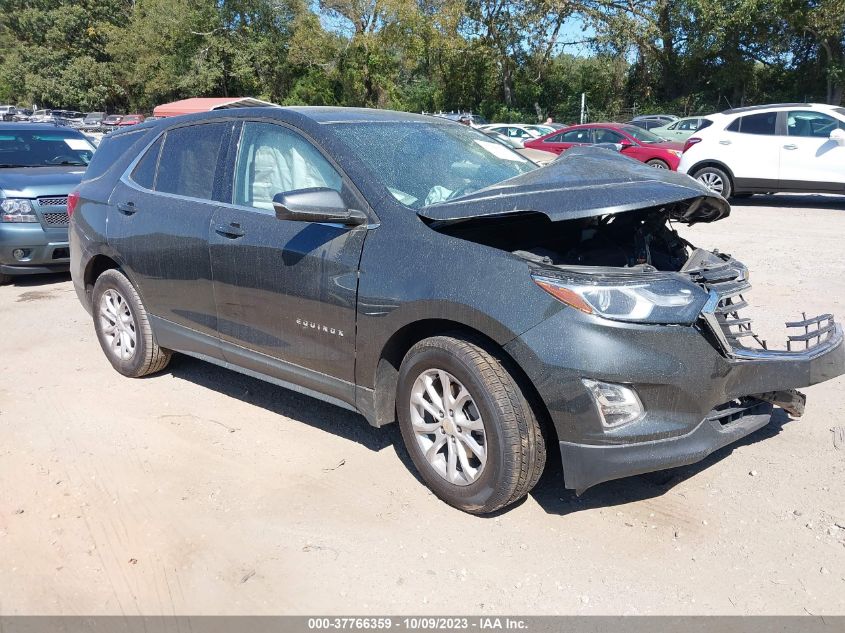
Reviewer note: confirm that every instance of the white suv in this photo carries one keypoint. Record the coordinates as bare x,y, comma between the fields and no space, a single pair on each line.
796,147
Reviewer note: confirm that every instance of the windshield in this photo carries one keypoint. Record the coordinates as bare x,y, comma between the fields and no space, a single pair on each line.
425,163
643,136
25,148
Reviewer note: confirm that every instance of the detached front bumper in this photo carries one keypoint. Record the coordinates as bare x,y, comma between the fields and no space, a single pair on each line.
696,398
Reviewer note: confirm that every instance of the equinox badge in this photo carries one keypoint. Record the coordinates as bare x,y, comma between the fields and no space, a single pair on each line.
319,327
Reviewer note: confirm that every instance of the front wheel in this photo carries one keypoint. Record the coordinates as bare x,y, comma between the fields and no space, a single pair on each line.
5,279
467,426
123,327
657,164
715,180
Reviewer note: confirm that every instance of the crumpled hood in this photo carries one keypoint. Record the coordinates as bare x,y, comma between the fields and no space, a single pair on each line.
587,182
32,182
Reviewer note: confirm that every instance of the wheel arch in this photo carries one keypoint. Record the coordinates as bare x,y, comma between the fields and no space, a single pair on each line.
95,267
712,163
397,346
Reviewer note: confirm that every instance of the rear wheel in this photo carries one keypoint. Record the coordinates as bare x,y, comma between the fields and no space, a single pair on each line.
715,180
469,430
657,163
123,327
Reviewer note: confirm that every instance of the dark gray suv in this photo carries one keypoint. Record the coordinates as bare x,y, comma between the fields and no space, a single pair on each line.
413,269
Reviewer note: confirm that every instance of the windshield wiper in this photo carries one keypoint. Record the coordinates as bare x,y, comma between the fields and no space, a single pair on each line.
71,163
14,165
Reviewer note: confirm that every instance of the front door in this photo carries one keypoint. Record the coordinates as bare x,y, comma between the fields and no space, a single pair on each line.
809,158
285,290
159,220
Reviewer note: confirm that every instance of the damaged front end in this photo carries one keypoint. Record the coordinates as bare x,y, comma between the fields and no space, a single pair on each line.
657,364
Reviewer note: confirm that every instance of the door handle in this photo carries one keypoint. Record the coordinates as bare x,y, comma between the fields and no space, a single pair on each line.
127,208
232,231
790,146
724,142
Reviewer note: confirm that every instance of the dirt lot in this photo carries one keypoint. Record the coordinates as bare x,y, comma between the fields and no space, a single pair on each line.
201,491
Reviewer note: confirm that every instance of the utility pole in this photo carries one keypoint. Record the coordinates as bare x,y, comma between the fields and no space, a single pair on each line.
583,107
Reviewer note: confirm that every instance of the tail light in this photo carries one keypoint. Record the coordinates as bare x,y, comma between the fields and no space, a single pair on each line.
72,201
690,142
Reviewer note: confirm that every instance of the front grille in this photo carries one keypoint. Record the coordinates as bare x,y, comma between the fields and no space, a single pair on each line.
53,201
55,219
727,281
733,411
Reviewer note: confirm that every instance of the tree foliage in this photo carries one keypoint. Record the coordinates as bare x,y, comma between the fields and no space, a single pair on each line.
505,58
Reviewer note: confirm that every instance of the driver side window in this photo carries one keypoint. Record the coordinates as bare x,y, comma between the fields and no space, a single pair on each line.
273,159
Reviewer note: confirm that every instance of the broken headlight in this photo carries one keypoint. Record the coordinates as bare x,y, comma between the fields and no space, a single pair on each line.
659,300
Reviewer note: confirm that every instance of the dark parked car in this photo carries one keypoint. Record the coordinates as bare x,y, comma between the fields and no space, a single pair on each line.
651,121
407,267
39,166
93,119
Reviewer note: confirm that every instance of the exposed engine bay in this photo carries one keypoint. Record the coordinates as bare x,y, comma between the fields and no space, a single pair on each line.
634,239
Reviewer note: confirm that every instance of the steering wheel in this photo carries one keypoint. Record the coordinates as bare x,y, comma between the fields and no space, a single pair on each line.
63,158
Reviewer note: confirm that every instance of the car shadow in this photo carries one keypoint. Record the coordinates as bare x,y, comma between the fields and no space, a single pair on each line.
549,492
284,402
555,499
794,201
30,281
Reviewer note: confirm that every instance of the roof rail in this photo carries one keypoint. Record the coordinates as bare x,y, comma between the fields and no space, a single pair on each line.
767,106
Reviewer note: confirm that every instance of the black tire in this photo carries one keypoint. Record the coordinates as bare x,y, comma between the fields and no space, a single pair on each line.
147,357
514,443
657,163
5,279
711,176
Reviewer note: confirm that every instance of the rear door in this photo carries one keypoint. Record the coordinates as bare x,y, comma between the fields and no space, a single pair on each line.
285,290
750,147
809,159
159,219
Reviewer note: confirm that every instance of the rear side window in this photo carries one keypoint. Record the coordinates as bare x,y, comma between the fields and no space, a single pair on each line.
111,148
189,158
145,171
764,123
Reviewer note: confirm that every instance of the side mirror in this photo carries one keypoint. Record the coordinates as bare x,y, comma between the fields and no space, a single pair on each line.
317,204
838,136
624,143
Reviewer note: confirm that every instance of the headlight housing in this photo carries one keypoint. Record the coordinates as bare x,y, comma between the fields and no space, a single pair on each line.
17,210
664,299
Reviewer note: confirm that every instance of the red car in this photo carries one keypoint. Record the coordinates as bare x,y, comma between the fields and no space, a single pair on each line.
131,119
635,141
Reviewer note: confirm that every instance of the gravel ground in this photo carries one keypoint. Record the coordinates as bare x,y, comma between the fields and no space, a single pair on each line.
201,491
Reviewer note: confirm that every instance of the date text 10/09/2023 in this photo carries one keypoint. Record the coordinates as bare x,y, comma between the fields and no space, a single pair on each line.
417,623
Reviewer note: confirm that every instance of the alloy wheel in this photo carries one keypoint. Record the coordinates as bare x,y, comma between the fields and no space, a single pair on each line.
712,181
117,324
448,427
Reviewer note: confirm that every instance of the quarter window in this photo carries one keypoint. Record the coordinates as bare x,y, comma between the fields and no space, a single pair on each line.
273,159
812,124
145,171
189,158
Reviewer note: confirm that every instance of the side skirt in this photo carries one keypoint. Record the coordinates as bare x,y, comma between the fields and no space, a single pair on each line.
255,365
